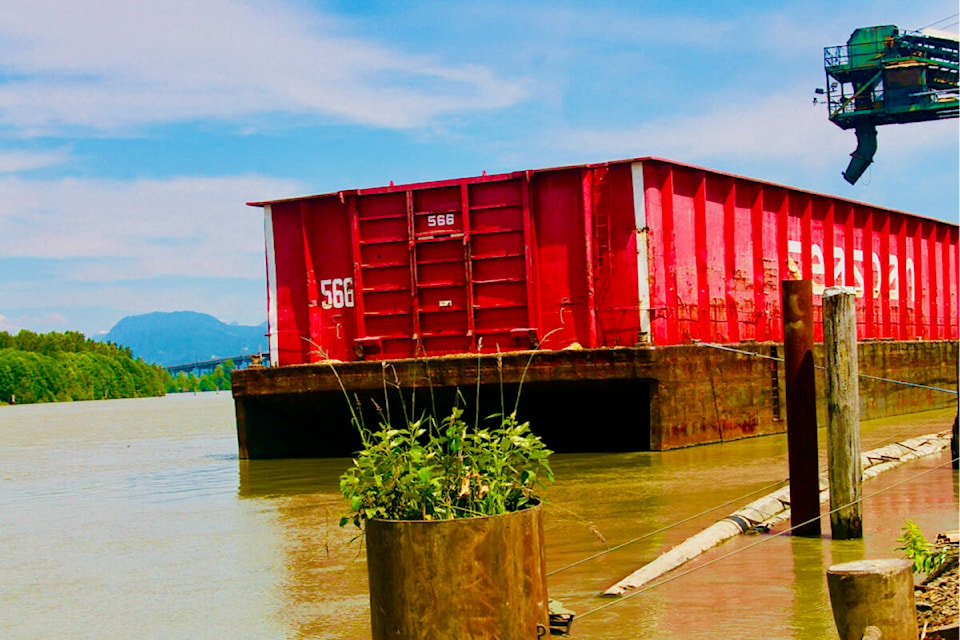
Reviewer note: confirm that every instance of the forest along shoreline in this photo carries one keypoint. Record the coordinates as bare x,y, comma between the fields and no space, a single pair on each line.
68,366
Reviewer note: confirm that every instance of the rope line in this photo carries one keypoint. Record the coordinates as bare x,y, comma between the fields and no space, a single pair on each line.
822,368
662,529
758,542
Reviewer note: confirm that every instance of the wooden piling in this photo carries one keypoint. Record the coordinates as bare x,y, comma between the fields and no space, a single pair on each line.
877,593
955,437
843,412
797,305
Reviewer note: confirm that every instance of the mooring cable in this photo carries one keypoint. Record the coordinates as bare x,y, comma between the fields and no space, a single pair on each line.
821,470
759,542
821,367
662,529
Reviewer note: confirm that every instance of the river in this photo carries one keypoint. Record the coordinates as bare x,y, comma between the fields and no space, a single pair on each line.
135,519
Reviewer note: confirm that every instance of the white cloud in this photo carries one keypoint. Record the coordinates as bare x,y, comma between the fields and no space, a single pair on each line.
139,229
114,64
17,161
775,128
95,307
55,322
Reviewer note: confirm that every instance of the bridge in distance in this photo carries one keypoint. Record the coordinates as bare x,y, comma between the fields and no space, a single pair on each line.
201,367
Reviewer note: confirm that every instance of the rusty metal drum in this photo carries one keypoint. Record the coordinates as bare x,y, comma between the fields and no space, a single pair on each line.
475,578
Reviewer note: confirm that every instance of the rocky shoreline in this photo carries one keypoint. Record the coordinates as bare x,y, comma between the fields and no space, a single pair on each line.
938,599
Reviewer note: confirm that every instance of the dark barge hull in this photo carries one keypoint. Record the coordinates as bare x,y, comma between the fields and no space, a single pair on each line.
583,400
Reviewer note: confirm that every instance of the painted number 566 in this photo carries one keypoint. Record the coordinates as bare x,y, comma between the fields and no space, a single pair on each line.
337,293
441,220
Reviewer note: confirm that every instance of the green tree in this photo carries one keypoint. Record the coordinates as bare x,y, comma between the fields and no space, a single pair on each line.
55,367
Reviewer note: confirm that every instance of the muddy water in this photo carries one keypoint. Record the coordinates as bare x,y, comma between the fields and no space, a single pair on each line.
135,519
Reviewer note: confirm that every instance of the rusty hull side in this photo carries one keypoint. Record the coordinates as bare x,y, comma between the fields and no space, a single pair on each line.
611,399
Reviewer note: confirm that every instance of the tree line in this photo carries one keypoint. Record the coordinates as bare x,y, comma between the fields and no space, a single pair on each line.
58,367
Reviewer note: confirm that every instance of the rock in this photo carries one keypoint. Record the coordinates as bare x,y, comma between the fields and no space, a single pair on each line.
936,599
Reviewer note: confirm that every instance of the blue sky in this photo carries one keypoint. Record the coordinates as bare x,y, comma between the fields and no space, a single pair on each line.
132,133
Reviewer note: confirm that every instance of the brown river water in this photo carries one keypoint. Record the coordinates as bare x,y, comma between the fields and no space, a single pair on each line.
135,519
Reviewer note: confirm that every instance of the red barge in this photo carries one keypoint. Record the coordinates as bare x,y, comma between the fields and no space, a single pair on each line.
623,279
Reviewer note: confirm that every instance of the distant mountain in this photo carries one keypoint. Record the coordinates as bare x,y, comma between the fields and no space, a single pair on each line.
181,337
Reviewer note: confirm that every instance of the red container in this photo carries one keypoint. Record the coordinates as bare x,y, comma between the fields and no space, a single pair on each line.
642,251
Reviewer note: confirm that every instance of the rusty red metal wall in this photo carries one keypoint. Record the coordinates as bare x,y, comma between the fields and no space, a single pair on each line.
720,245
643,251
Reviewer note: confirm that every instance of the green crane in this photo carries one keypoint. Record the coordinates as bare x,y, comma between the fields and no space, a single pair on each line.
887,76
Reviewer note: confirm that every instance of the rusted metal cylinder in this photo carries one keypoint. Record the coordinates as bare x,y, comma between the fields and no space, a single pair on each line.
470,578
877,593
801,406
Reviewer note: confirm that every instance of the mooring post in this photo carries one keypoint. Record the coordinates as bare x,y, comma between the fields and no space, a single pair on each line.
843,412
797,304
955,436
873,593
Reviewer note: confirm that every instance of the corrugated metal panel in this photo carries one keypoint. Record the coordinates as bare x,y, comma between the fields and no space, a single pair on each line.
726,242
621,253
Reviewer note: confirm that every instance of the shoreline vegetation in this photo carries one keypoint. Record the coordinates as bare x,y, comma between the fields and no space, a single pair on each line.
68,366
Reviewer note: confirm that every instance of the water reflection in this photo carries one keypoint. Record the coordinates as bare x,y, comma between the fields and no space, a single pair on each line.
322,592
810,614
267,478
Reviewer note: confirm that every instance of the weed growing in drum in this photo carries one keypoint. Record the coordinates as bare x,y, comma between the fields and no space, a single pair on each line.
442,468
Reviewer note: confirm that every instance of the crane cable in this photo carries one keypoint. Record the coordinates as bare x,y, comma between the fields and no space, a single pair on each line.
939,21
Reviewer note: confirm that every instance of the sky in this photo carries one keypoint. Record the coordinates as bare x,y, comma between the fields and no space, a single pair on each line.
133,133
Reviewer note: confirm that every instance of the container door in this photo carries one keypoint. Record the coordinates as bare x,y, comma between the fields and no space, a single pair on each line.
286,285
562,246
328,262
440,272
383,238
502,279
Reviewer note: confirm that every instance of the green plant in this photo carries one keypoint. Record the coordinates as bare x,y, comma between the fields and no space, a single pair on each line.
926,557
442,469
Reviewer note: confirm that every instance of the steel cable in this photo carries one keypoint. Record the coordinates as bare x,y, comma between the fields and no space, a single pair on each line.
821,367
758,542
617,547
662,529
939,21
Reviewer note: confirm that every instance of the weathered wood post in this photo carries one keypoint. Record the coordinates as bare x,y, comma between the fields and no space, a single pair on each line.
797,305
843,412
876,593
955,436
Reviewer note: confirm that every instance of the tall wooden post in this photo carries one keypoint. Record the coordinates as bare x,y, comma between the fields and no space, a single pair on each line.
955,436
843,412
797,305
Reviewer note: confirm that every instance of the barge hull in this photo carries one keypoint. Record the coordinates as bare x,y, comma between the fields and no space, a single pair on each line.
586,400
